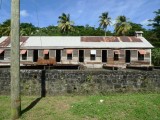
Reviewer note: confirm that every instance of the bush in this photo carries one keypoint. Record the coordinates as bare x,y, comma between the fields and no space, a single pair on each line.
156,56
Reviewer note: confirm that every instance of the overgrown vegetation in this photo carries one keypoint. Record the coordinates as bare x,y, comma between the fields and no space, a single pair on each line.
97,107
156,56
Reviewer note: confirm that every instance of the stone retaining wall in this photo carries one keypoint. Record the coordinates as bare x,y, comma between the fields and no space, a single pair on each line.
53,82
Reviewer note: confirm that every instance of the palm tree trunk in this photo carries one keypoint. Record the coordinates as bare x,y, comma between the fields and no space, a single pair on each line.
105,31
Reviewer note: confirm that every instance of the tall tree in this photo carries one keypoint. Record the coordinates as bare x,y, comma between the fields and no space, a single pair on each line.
155,23
5,28
135,27
122,25
105,20
65,24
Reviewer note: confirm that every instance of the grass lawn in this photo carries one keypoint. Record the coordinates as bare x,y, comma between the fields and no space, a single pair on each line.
111,107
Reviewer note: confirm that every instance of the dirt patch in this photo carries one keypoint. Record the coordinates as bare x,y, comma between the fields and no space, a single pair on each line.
61,106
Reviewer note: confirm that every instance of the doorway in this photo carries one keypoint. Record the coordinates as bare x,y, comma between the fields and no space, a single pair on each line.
81,55
2,56
104,55
46,56
128,56
58,55
35,55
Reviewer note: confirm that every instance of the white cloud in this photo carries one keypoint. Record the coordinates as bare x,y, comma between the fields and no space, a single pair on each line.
24,13
145,22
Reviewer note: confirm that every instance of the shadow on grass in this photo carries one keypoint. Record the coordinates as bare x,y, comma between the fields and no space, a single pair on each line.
31,105
43,94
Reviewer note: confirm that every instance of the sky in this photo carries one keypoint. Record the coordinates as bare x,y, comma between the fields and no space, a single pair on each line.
43,13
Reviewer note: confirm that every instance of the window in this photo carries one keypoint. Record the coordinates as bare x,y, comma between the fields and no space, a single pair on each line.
69,56
140,56
93,55
24,56
116,57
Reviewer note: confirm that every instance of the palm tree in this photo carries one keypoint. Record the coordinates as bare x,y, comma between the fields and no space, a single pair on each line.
122,25
5,28
104,21
65,24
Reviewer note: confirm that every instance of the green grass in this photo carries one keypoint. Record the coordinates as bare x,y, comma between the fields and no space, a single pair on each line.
114,107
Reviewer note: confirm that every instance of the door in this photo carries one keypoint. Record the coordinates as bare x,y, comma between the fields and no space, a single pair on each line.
104,55
128,56
81,55
58,55
35,55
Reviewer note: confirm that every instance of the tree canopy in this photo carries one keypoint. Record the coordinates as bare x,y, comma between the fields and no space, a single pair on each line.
122,25
27,29
66,26
5,28
154,34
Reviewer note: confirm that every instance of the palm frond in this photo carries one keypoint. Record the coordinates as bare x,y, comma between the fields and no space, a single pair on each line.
104,21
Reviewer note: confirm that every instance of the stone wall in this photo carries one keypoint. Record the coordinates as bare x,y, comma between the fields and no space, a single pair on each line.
55,82
30,82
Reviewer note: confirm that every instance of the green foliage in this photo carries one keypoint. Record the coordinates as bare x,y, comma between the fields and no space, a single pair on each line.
155,32
155,23
5,28
65,24
156,56
89,31
122,25
27,29
105,20
150,35
135,27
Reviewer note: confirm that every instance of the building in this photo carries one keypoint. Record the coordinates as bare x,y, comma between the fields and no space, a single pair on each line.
90,51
